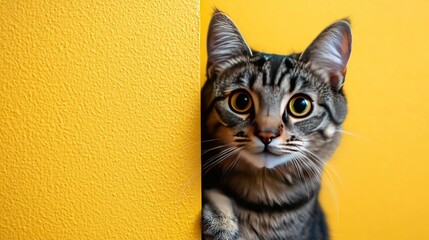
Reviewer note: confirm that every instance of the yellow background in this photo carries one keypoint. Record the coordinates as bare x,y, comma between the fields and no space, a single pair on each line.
382,186
100,140
99,116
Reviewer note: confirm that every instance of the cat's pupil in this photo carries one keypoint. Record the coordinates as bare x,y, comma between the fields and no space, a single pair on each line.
300,105
242,101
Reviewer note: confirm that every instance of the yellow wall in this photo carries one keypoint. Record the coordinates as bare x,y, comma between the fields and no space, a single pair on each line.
98,133
98,120
382,169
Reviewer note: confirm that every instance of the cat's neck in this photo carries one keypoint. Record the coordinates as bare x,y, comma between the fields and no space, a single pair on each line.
271,225
269,189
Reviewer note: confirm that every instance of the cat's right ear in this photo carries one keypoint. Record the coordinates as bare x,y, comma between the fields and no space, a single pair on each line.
224,44
330,52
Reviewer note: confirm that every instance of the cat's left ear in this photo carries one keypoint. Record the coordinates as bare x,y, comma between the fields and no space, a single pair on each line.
224,43
330,52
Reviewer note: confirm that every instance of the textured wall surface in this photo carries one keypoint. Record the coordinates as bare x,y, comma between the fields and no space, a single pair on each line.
382,166
99,116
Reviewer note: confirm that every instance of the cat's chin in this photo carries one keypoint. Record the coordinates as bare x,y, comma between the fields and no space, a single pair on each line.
266,159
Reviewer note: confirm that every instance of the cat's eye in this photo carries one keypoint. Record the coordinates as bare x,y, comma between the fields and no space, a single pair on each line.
300,106
240,102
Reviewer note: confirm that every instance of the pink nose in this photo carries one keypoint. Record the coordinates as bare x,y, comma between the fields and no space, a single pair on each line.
266,137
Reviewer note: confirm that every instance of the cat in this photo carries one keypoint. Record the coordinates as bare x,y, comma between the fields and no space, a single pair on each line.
269,123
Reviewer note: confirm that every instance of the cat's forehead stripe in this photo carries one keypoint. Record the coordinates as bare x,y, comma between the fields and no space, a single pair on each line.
270,70
277,67
292,83
281,74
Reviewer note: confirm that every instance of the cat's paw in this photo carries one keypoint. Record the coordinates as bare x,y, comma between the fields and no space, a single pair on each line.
219,226
219,221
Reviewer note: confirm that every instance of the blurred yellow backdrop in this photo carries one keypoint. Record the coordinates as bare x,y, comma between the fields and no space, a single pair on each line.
99,116
382,165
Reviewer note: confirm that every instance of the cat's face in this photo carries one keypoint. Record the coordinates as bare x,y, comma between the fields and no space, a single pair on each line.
271,110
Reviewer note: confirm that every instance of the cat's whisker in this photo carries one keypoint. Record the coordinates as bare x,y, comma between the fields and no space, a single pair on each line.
352,134
322,162
219,158
287,151
231,166
214,148
301,174
188,146
305,166
184,187
211,140
317,167
216,156
288,148
315,170
198,172
329,181
319,159
184,149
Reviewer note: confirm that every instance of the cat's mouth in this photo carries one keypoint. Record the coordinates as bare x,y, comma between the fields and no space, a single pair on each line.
267,158
273,151
267,150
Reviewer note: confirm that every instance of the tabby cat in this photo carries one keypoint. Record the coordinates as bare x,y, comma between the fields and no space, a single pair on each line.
269,123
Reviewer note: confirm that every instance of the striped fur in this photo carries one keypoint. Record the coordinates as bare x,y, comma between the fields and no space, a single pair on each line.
260,188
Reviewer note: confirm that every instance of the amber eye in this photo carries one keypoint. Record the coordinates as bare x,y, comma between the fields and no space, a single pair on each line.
240,102
300,106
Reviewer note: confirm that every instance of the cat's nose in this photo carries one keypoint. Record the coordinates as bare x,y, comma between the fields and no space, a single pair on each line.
267,136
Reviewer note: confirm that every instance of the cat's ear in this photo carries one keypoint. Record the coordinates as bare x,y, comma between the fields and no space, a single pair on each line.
224,43
330,52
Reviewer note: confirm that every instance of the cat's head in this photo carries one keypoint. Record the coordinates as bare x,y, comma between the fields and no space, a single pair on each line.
269,110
